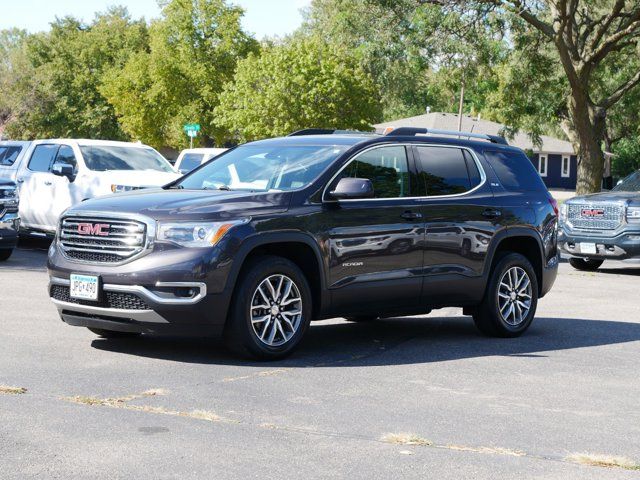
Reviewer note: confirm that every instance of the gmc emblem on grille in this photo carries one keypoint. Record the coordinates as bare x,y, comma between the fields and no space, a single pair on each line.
95,229
592,212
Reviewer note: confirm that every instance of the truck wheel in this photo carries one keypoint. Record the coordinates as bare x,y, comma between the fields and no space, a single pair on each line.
113,334
271,309
362,318
586,265
5,254
510,300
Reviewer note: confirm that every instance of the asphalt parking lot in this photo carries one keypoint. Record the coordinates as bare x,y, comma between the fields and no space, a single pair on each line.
418,397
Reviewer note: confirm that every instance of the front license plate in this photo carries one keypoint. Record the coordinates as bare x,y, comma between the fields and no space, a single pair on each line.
84,287
589,248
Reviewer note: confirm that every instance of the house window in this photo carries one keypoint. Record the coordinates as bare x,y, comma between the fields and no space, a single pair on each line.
542,165
566,166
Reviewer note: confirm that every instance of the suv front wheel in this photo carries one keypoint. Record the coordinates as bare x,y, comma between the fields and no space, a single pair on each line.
510,300
271,309
585,264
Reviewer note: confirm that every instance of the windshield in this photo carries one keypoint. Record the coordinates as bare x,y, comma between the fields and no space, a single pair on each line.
266,168
103,158
190,161
629,184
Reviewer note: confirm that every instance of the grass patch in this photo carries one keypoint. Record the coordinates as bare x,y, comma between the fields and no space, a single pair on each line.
490,450
7,390
406,439
608,461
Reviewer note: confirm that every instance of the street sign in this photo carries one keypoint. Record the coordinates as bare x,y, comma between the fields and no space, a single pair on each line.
191,127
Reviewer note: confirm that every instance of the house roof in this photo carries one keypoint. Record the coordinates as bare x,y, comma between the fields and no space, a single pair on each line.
449,121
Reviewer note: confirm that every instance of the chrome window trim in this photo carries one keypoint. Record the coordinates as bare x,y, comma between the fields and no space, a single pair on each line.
148,294
146,249
483,175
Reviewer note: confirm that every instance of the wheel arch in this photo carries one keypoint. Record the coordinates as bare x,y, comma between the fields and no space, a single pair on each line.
300,248
525,241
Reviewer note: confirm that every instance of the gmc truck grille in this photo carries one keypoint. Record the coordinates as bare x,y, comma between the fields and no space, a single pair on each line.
102,240
595,217
115,300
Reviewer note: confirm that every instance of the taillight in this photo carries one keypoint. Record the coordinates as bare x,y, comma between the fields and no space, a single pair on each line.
554,204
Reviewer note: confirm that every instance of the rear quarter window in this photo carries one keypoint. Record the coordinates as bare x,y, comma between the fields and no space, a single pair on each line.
515,171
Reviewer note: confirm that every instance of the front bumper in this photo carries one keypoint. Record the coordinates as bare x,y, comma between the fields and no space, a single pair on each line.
9,225
620,247
174,291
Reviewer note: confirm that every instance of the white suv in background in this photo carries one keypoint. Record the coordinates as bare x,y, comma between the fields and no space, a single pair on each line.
11,154
194,157
56,174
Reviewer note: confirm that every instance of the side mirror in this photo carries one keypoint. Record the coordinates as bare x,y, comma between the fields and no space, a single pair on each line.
63,170
352,189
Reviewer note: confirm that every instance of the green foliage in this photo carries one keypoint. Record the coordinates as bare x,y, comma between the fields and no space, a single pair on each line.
303,82
193,52
52,88
627,157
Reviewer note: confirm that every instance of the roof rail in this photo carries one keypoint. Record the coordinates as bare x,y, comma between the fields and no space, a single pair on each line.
311,131
411,131
326,131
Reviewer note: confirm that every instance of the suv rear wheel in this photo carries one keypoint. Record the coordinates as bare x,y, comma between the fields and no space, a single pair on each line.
585,264
510,300
5,254
271,309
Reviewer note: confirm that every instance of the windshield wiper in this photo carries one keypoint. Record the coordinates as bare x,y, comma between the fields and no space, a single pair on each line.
226,188
176,187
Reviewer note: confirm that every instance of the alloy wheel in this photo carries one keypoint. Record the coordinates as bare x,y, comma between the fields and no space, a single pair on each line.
514,296
276,310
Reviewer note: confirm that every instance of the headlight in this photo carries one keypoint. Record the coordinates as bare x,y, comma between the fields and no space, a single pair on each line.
633,214
563,211
196,234
122,188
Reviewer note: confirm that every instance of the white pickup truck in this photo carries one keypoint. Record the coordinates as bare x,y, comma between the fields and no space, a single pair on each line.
53,175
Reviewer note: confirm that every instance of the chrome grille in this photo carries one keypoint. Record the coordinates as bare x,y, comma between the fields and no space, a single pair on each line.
611,219
102,240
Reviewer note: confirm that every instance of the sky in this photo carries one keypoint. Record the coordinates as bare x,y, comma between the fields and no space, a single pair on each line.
262,17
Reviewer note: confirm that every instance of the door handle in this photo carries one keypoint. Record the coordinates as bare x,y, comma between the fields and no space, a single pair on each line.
408,215
491,213
47,182
20,180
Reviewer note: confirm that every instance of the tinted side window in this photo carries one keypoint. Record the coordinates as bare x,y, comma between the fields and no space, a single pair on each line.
386,167
42,158
66,156
515,171
442,171
472,168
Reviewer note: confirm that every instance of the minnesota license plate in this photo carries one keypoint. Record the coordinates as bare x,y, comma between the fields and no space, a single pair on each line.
84,287
589,248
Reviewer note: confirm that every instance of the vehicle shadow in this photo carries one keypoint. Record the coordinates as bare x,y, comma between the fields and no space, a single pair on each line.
631,270
397,341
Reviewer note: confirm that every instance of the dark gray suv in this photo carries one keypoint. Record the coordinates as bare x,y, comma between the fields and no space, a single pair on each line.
9,219
319,224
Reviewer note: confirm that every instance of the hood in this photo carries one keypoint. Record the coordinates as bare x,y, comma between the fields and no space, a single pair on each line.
627,198
187,205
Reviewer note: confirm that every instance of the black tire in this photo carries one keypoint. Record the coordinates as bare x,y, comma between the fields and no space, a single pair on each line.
584,264
113,333
362,318
488,317
240,335
5,254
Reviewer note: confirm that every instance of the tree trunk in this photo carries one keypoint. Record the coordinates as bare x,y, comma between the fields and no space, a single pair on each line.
589,124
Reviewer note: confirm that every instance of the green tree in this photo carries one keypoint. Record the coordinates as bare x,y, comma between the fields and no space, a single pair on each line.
301,83
595,43
52,90
194,48
627,157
